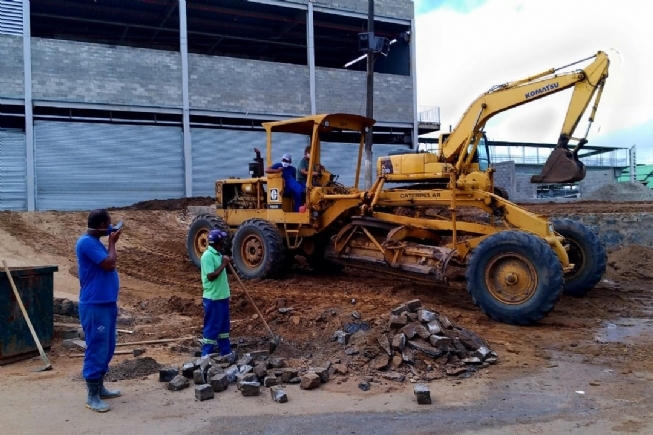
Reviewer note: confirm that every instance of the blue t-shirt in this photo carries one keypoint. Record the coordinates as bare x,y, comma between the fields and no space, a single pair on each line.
288,172
98,286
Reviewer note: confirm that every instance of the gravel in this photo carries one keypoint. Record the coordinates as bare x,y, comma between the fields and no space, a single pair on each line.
621,192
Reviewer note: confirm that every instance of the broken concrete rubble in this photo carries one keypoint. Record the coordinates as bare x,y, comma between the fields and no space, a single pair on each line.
310,381
278,394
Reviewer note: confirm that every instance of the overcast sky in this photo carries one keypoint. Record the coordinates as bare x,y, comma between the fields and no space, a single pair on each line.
464,47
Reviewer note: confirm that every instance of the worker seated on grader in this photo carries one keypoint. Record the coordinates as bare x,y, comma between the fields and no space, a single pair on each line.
292,188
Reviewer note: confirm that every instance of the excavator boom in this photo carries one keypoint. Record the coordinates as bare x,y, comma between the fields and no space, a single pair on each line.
563,165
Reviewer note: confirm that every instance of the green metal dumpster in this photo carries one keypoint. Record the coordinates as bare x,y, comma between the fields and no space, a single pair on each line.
36,288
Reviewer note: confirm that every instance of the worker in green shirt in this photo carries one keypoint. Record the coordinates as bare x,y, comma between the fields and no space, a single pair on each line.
216,296
302,173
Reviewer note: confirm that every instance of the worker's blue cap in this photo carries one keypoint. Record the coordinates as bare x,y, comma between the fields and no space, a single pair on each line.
216,236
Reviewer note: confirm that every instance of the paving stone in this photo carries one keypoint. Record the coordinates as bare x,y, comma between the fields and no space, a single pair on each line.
473,360
296,380
407,356
216,370
250,388
364,385
245,369
426,316
351,351
231,373
219,382
400,309
261,371
198,377
178,383
491,360
384,343
394,376
398,321
278,394
277,363
423,394
439,340
396,361
245,361
425,348
455,371
413,305
166,374
481,353
410,330
434,327
422,332
444,321
245,378
288,374
270,381
399,341
204,392
322,373
310,381
259,354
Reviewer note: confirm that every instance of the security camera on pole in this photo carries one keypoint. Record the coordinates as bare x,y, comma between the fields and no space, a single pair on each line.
370,45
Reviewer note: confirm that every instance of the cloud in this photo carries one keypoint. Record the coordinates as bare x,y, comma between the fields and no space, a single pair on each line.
464,48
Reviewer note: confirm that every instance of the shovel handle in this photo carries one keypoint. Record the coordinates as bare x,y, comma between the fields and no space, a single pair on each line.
22,308
233,271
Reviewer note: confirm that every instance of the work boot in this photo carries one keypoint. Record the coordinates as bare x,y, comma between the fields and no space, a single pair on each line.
93,400
108,394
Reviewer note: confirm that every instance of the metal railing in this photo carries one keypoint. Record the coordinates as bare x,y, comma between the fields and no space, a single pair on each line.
614,158
428,115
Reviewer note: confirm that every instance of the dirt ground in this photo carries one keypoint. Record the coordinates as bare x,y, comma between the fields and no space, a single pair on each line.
599,345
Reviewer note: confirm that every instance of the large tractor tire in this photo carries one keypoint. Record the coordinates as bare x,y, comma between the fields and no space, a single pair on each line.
514,277
587,253
259,250
197,240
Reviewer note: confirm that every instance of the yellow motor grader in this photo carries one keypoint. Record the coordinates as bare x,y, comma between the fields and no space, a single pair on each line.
424,212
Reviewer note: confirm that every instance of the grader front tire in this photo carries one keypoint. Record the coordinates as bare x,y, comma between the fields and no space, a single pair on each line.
586,252
197,240
514,277
259,250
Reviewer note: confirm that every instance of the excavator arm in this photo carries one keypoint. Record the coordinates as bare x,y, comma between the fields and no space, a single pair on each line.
563,165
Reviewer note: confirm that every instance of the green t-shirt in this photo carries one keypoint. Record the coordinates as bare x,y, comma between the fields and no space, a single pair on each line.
219,287
303,164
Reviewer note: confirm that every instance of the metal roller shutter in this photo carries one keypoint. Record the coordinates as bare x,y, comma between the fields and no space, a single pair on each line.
82,166
13,170
11,17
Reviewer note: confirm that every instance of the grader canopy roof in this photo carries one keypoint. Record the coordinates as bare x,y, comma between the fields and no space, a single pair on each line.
328,123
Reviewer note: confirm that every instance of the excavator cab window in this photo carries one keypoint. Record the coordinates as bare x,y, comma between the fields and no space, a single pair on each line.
482,154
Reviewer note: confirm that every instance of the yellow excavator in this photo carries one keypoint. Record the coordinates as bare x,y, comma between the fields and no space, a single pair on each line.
424,212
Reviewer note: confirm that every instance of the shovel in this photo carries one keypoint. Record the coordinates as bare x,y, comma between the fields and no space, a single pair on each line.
48,366
275,338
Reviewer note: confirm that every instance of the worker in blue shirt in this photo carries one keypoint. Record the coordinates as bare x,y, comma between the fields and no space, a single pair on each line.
98,304
292,188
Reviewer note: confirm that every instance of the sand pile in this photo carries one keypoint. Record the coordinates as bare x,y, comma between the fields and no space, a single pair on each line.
631,263
621,192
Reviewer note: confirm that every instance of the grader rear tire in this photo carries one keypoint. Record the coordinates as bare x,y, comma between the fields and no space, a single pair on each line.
198,236
586,252
259,250
514,277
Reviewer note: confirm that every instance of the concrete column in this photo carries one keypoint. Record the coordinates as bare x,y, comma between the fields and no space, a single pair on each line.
310,44
29,113
413,73
183,44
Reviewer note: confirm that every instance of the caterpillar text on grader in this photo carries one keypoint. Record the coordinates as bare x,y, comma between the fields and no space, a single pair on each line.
425,211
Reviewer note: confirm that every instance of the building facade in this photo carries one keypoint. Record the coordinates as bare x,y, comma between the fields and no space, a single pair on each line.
112,102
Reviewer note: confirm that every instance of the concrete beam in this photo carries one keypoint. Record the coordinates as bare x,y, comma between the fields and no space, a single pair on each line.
29,112
188,155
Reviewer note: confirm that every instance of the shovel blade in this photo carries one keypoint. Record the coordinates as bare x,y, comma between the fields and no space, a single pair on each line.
562,166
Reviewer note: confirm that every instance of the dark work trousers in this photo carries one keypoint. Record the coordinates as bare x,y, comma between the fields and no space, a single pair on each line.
216,326
99,324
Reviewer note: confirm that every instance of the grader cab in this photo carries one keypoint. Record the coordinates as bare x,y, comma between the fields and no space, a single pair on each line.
422,215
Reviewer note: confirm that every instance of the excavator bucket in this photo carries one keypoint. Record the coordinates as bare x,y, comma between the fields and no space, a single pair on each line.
562,166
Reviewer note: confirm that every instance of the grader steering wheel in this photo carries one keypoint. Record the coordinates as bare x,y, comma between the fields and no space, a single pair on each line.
319,169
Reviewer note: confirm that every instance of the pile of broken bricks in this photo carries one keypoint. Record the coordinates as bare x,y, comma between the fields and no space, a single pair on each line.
213,373
417,341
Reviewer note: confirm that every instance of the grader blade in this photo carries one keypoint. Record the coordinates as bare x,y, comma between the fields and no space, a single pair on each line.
562,166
